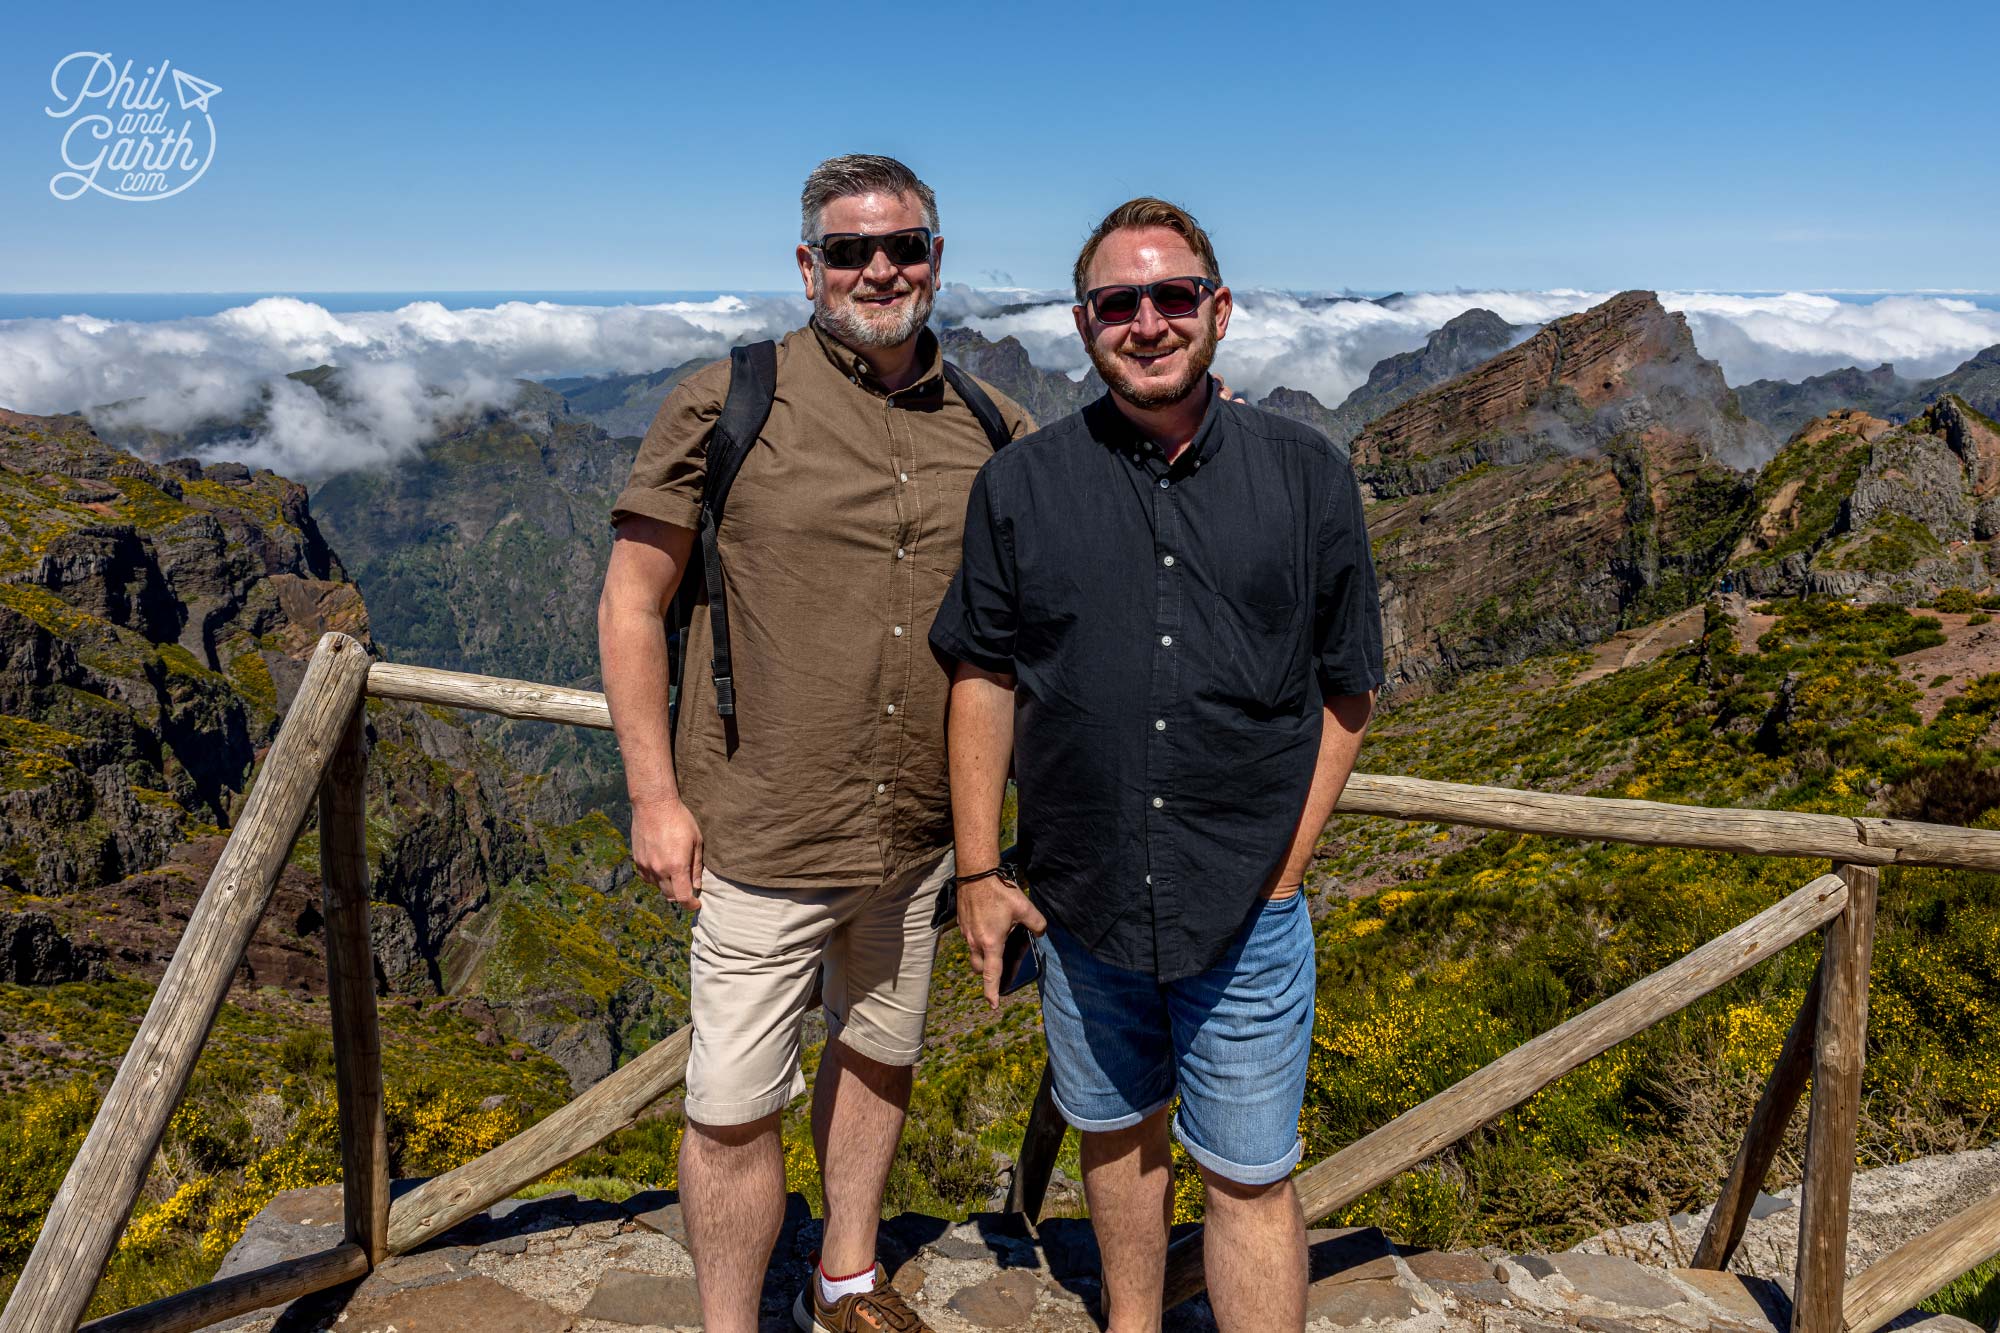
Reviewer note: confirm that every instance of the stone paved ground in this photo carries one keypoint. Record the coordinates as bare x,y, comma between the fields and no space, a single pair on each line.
567,1265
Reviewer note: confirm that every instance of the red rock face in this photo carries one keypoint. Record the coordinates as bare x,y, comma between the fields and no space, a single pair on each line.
1542,497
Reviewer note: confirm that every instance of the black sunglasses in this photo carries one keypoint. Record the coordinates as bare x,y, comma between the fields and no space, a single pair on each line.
853,249
1174,298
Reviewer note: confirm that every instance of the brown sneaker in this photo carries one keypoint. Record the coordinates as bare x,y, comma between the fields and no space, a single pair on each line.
882,1310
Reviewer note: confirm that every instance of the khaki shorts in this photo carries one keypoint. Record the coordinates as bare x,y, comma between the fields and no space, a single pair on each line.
751,966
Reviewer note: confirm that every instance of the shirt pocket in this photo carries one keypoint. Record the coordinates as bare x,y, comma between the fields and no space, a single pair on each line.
1256,665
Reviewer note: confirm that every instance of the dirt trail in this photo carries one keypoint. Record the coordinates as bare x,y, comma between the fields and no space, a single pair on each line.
1641,644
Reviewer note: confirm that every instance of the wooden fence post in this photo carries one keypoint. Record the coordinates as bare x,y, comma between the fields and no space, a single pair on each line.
104,1181
1839,1049
1040,1142
350,978
1761,1138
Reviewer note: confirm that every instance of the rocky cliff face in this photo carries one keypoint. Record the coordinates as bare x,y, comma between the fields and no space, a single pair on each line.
1857,506
1465,342
484,553
154,621
1574,482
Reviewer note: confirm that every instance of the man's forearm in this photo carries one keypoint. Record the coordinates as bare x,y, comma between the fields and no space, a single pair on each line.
633,650
1343,722
980,741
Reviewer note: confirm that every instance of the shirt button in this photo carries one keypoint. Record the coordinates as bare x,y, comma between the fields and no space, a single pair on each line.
899,553
1168,561
1166,641
1164,483
881,787
892,710
899,631
1159,724
1149,879
1157,802
902,476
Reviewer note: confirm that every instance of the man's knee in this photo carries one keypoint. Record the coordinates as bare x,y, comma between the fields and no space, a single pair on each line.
892,1082
1226,1193
727,1138
1147,1137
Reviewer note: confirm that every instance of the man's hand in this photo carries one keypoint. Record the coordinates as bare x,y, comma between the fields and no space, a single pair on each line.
987,910
666,850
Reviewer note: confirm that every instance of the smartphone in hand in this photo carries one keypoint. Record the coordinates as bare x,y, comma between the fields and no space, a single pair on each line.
1018,964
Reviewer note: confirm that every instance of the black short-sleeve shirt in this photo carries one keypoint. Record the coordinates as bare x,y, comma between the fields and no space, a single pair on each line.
1172,631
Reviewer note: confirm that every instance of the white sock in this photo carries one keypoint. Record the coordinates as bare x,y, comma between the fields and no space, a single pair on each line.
832,1289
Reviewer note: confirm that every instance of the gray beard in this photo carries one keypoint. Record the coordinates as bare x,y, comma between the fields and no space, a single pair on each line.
847,324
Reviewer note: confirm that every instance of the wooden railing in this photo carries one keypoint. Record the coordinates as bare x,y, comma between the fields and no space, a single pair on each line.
321,751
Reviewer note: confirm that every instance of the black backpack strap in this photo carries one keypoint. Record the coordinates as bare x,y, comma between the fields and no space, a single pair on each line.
981,404
753,386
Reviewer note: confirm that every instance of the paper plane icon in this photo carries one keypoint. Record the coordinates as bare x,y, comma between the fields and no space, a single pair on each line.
194,93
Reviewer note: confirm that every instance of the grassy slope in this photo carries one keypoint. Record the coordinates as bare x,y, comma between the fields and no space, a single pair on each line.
1441,948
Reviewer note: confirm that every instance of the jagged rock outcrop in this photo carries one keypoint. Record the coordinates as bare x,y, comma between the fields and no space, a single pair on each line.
1577,480
148,618
1046,395
1858,507
1465,341
154,621
34,953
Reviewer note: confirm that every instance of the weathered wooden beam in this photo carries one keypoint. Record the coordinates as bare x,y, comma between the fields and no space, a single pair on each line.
1766,1131
1653,823
1658,823
232,1296
1839,1048
442,1202
1922,1266
489,694
1041,1141
103,1182
1420,1132
350,970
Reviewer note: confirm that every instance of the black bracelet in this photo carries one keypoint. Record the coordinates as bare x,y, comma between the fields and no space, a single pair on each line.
959,880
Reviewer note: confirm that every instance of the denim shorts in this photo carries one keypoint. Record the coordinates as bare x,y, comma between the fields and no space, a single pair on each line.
1233,1041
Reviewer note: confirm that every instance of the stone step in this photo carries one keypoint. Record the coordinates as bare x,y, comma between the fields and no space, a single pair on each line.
561,1264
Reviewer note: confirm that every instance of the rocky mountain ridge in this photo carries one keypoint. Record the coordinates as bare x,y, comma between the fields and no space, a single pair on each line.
1567,486
1856,506
154,621
1785,407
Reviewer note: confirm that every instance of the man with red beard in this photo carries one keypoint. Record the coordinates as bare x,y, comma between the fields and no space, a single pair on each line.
811,825
1166,617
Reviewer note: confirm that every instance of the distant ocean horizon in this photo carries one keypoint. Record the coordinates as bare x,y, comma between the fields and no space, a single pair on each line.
151,306
147,307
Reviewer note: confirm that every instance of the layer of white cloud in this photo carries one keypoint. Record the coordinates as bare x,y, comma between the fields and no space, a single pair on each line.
405,371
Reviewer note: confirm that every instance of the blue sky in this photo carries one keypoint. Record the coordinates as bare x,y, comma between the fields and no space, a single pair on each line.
661,146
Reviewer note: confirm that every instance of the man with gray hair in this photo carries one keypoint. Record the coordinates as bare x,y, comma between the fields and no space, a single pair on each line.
802,807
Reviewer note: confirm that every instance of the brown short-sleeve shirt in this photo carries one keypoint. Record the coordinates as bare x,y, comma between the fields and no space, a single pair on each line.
841,535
